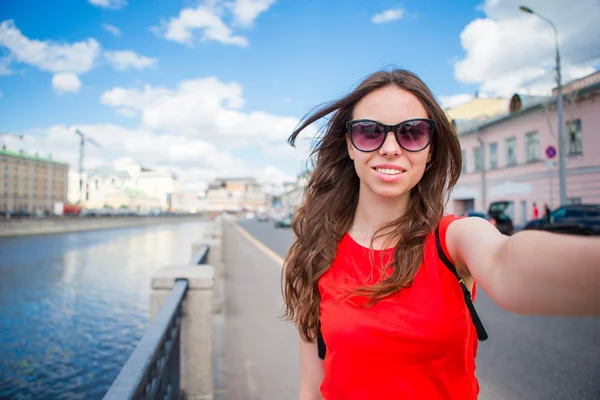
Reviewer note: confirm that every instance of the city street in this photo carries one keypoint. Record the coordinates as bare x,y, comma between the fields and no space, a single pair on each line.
525,358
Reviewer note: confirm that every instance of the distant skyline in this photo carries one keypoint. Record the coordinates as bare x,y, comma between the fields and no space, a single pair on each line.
214,88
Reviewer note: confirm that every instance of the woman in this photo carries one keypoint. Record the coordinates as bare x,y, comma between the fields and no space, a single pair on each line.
371,268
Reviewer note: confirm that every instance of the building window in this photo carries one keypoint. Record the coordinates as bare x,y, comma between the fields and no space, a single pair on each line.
574,132
493,155
464,161
511,151
532,146
477,159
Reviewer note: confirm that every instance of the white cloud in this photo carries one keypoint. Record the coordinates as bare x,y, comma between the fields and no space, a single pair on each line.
66,83
127,112
202,18
112,29
388,16
5,66
195,161
192,129
175,121
208,19
203,108
77,58
127,59
117,142
272,174
246,11
110,4
66,61
511,51
455,100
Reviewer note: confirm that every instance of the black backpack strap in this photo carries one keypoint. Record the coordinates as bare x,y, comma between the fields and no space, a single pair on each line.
321,348
481,333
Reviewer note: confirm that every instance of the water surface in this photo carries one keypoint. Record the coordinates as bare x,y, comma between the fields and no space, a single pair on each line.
73,306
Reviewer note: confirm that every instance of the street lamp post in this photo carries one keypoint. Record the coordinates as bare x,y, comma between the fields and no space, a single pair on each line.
562,174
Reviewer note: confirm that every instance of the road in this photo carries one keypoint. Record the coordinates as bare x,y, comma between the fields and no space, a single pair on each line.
525,358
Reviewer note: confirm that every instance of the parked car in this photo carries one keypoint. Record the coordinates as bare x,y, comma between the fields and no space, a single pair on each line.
498,212
284,222
497,215
262,217
479,214
580,219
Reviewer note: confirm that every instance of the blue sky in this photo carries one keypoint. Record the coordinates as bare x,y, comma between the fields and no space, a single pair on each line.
214,87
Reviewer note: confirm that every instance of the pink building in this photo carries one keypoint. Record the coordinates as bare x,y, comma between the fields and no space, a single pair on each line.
504,158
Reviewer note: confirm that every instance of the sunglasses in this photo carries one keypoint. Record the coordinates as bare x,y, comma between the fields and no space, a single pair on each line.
412,135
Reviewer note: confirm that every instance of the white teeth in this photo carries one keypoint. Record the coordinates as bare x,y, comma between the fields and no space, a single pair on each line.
387,171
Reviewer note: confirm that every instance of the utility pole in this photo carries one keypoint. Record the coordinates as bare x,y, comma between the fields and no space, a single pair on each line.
81,143
562,163
483,177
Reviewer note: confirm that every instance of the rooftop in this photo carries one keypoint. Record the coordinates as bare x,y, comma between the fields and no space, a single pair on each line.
520,104
25,156
477,107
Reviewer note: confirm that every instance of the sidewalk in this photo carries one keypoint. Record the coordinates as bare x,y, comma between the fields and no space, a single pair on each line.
260,359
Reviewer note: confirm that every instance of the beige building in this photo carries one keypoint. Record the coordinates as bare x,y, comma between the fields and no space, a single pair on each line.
236,194
31,183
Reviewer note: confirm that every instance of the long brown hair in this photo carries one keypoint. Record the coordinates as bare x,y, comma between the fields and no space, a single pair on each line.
331,197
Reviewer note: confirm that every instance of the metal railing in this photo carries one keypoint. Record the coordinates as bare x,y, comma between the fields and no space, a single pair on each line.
153,369
201,255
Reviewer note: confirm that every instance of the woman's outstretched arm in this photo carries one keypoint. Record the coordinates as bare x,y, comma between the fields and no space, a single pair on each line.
531,272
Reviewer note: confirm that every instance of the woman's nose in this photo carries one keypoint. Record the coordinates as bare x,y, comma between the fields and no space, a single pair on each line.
390,146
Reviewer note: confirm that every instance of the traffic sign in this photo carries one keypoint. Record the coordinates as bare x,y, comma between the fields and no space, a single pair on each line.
550,152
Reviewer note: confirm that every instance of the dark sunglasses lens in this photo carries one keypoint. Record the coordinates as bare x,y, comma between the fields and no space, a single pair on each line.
414,135
367,136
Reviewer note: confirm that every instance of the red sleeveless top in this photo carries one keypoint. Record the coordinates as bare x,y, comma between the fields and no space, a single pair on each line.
418,343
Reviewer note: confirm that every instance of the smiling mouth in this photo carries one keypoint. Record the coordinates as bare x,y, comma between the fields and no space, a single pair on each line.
389,171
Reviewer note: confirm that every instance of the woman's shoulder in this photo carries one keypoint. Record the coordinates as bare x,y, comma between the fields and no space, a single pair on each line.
447,219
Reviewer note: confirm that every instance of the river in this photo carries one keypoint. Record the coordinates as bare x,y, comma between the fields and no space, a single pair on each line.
73,306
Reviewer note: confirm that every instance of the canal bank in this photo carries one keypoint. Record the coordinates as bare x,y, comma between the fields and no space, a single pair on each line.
45,226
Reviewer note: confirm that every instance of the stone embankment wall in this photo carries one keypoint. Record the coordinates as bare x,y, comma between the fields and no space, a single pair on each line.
42,226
